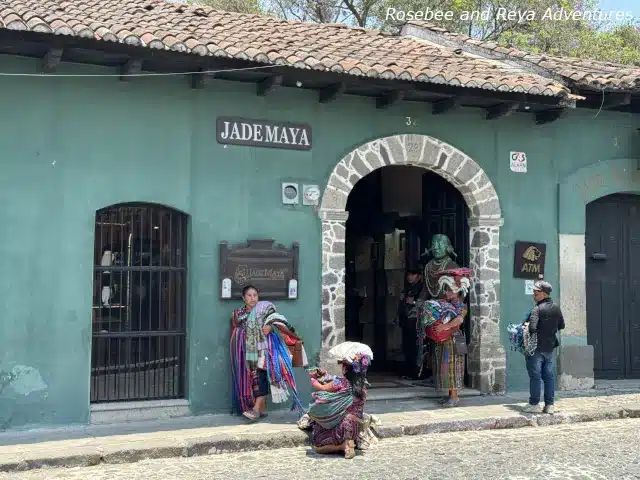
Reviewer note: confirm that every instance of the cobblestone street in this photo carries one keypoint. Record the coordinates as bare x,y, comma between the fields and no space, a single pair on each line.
598,450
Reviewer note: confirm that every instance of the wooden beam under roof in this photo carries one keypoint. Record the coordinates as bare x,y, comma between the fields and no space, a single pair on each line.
390,98
52,59
501,110
330,93
268,84
550,115
445,105
132,67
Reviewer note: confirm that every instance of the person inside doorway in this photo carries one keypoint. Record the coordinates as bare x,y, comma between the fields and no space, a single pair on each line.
412,296
449,355
545,320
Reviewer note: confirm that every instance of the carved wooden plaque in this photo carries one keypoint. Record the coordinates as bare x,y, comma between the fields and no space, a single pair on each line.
261,263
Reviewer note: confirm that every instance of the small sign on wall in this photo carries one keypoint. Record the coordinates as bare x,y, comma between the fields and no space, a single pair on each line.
518,162
529,258
528,287
263,133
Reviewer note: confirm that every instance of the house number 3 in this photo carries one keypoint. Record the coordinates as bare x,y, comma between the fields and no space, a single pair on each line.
410,122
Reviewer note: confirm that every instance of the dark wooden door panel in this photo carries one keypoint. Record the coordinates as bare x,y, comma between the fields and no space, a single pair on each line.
632,300
612,246
445,211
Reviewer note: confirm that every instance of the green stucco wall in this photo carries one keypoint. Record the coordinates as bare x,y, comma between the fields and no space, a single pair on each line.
73,145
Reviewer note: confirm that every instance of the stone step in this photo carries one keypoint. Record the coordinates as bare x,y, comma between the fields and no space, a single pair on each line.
122,412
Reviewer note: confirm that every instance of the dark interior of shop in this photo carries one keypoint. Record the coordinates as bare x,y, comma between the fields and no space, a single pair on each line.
393,214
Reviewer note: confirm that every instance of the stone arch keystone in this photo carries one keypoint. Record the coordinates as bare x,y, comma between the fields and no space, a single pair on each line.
486,359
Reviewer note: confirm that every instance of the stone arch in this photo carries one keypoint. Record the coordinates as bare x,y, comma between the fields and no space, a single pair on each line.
486,360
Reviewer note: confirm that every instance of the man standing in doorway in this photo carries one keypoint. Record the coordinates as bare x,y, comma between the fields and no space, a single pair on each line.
412,296
545,320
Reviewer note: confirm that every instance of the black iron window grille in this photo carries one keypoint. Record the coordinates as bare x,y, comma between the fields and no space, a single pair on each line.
139,304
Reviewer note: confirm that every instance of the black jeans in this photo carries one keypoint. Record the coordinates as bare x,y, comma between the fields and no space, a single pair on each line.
410,347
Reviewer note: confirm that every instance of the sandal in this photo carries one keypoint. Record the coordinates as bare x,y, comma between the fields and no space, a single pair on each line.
350,449
451,403
251,415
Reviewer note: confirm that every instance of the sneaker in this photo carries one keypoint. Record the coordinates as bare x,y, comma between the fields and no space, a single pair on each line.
532,409
251,415
548,409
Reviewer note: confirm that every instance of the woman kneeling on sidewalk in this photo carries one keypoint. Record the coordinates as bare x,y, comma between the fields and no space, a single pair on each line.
337,413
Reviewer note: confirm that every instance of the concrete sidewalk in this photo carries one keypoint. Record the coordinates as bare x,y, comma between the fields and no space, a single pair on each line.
222,434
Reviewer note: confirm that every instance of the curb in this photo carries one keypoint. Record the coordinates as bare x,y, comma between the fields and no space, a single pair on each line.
226,443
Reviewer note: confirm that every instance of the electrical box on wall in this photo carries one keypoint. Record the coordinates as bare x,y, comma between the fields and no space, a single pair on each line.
290,193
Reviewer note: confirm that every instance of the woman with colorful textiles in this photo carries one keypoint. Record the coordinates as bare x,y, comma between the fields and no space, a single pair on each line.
261,362
450,345
337,412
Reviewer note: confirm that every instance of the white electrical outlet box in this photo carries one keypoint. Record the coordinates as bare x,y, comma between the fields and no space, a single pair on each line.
293,289
290,193
226,288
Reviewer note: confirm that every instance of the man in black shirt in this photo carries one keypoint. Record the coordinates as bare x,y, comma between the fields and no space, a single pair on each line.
412,297
545,320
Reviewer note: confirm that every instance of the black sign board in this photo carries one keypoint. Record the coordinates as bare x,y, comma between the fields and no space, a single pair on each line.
262,133
529,260
260,263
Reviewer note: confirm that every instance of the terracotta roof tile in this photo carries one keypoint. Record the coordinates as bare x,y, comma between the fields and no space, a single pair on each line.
201,30
584,73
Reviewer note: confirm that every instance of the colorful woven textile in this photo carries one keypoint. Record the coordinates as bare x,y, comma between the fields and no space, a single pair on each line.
270,353
280,372
521,340
254,338
434,312
241,376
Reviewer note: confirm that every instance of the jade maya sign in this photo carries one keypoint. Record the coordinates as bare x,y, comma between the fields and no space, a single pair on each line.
262,133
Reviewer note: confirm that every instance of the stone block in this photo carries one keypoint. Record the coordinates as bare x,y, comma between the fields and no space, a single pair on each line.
334,199
468,171
576,360
396,150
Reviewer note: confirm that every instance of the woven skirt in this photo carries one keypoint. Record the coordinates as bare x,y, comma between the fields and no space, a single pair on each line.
449,366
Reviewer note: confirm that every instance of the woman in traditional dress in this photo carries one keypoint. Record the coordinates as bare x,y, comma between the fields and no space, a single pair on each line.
250,383
337,412
454,287
261,357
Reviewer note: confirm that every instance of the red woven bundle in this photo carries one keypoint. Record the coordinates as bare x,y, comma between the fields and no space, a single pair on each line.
441,336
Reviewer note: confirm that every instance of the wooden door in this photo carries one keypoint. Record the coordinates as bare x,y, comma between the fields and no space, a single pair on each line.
612,248
445,211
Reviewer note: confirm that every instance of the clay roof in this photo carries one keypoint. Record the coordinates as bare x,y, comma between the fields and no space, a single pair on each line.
197,30
590,74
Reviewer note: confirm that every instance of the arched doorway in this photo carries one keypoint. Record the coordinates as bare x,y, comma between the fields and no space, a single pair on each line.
394,212
612,248
487,360
139,303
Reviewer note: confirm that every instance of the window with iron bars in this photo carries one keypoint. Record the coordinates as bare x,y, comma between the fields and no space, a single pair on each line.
139,303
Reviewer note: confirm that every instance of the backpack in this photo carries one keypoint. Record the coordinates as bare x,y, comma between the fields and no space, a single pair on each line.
521,340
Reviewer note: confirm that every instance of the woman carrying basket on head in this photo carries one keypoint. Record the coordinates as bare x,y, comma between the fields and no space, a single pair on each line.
336,415
441,320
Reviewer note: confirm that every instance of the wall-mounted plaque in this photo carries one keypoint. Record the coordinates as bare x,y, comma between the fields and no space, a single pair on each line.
263,133
529,260
267,266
